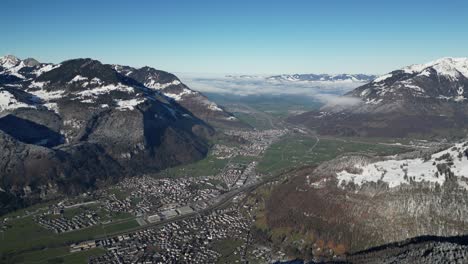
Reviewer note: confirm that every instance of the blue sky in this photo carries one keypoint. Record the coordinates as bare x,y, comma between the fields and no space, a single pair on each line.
239,36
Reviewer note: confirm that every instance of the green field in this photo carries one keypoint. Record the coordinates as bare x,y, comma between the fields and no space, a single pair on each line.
295,151
226,248
57,255
254,121
205,167
27,240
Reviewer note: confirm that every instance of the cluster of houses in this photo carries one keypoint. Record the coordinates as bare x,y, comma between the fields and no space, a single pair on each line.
60,224
148,196
258,141
236,175
192,240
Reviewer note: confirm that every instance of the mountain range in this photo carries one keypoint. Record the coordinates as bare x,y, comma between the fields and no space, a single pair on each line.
72,126
420,100
323,77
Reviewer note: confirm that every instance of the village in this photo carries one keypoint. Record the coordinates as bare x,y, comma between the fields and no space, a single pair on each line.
191,240
179,218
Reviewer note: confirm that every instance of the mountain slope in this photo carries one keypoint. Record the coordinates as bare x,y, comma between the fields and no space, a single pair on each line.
71,126
427,99
359,201
172,87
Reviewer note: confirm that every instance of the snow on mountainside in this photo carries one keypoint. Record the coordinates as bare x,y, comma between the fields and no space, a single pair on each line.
443,79
115,86
395,172
171,86
88,124
8,101
383,199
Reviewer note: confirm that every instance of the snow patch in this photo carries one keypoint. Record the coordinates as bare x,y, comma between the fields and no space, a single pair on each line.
158,86
179,96
46,68
373,101
48,95
214,107
78,78
9,102
105,90
128,104
398,172
383,78
52,107
35,84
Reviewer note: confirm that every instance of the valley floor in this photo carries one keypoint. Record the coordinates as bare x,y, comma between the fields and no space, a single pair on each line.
210,211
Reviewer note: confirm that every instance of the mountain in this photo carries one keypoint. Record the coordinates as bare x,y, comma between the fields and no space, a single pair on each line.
169,85
425,100
323,77
444,79
359,201
309,77
72,126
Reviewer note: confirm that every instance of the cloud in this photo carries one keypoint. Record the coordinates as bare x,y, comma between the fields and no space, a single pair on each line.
335,100
328,92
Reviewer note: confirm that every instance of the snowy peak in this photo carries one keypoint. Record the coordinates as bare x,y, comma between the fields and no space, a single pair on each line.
442,79
453,67
9,61
14,68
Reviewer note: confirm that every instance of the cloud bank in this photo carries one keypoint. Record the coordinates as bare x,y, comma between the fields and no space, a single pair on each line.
328,92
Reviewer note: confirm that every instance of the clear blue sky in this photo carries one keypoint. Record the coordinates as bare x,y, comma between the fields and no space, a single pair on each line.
238,36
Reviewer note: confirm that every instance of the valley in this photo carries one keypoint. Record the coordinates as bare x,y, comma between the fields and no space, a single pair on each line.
234,132
169,207
107,163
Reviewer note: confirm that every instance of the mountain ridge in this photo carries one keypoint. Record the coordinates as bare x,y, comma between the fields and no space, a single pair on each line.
425,100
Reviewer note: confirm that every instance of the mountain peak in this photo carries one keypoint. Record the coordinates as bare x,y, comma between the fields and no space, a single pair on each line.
9,61
446,66
31,62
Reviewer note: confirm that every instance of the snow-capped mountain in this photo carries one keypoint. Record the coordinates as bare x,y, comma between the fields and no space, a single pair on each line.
444,79
27,73
69,126
424,99
171,86
356,78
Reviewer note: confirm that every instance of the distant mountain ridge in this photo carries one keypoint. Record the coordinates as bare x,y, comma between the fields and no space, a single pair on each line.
310,77
323,77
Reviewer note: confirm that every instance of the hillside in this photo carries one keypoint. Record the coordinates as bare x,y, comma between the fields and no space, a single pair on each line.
72,126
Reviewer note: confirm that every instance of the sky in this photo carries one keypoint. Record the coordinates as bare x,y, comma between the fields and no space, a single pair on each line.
238,37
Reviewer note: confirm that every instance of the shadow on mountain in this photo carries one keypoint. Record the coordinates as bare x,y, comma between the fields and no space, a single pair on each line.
459,240
29,132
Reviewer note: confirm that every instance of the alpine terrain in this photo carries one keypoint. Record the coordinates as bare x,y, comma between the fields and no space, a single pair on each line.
420,100
68,127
